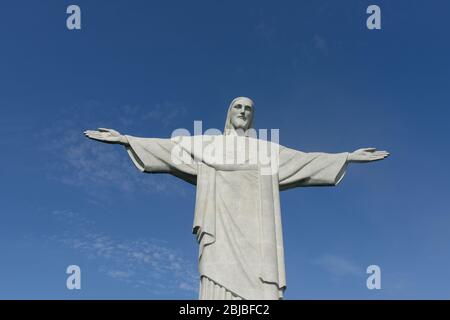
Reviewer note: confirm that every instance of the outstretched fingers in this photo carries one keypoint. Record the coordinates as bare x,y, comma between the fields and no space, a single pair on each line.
92,134
94,137
378,156
381,153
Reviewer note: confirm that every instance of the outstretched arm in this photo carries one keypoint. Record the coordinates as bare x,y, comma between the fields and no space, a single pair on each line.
305,169
151,155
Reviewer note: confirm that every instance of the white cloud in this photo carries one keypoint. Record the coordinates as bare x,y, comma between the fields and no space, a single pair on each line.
102,169
320,43
265,30
148,264
119,274
166,113
339,266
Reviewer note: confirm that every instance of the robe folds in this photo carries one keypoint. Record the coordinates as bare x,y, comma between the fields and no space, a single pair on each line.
237,218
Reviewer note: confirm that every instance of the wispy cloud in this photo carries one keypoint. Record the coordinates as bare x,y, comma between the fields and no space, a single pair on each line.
311,50
320,43
339,266
148,264
166,113
265,31
101,168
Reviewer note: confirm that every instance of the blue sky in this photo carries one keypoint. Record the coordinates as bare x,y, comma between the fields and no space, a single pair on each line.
146,68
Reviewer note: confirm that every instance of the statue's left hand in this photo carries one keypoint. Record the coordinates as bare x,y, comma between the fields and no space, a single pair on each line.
106,135
367,155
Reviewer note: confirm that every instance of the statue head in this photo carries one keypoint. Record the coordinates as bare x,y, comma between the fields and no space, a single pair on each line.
240,115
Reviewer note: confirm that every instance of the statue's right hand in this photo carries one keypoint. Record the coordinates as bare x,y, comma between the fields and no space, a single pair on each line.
105,135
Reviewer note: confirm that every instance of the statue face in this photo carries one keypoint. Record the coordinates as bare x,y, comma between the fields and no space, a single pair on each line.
241,113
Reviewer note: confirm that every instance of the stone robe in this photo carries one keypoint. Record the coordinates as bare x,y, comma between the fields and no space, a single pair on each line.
237,218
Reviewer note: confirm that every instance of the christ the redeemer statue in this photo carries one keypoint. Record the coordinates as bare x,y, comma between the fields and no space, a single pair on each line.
237,219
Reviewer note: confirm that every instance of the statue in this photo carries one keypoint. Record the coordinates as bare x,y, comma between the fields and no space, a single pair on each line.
237,219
